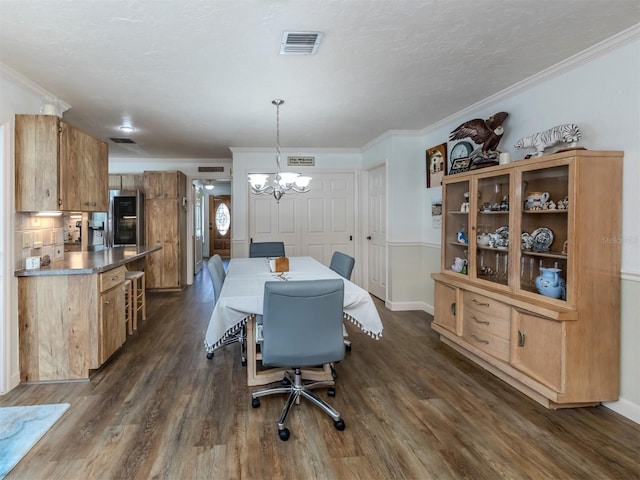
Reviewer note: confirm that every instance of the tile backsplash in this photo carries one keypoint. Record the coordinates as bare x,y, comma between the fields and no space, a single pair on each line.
37,237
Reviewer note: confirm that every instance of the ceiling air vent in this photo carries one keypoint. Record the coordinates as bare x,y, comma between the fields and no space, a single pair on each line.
300,43
121,140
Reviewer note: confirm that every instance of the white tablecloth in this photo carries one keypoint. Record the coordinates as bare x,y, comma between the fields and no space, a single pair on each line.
243,290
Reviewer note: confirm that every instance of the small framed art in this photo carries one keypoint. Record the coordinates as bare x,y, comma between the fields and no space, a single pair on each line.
436,165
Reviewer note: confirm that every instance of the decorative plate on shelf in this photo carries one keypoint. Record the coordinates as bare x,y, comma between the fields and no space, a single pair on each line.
542,239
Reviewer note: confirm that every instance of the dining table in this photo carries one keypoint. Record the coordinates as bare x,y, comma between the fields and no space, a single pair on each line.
241,300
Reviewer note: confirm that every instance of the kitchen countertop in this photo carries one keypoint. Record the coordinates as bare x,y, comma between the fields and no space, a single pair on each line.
83,263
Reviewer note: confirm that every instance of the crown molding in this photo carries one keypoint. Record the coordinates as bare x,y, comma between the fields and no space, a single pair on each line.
31,86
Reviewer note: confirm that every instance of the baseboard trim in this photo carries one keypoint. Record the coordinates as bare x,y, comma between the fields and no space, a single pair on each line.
404,306
626,408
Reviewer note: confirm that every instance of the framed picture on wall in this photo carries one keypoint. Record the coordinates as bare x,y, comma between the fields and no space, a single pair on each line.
436,165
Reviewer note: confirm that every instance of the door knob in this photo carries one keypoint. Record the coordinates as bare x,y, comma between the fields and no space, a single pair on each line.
369,237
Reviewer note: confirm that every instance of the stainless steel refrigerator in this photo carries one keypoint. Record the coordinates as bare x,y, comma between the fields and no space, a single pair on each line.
125,223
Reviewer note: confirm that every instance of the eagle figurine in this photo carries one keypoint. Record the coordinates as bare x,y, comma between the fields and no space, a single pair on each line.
486,133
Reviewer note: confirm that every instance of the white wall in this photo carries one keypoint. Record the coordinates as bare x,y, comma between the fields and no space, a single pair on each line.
600,91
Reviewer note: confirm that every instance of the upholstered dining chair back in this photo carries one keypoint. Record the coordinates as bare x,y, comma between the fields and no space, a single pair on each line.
217,273
342,264
302,323
266,249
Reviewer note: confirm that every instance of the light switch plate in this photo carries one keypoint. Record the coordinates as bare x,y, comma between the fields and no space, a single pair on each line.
58,252
27,239
37,239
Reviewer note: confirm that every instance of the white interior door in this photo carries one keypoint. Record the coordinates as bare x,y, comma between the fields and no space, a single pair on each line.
377,232
315,223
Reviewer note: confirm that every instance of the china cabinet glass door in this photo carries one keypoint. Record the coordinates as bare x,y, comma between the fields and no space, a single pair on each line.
492,260
544,228
455,239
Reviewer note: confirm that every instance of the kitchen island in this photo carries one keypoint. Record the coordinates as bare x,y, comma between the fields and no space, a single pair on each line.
71,313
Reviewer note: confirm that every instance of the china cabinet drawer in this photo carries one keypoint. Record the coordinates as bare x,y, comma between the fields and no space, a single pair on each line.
487,314
486,340
111,278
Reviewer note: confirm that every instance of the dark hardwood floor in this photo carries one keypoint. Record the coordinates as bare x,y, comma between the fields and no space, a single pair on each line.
414,409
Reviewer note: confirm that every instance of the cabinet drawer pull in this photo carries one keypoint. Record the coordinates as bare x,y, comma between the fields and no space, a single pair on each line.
90,204
479,339
115,278
107,302
481,304
479,321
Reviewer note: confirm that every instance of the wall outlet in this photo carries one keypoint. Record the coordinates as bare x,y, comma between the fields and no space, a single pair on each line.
27,239
58,252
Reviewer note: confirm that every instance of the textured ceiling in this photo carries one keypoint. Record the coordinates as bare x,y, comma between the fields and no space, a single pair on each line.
197,77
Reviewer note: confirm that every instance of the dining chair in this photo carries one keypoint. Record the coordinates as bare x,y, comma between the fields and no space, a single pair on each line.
266,249
301,327
342,264
218,275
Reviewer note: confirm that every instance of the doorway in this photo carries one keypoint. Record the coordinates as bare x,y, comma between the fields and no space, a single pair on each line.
220,225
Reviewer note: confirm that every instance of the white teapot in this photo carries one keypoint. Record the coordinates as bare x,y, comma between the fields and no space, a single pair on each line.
458,264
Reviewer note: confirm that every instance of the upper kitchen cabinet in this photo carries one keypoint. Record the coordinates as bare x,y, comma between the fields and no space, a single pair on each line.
163,184
59,167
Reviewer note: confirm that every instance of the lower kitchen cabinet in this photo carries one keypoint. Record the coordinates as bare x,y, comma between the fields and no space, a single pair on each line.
69,324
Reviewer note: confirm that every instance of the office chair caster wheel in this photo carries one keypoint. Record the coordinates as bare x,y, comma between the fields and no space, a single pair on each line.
334,374
209,355
347,348
284,434
331,392
339,424
255,403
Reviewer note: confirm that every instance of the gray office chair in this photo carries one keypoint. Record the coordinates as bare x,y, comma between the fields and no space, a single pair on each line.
343,264
218,275
301,327
266,249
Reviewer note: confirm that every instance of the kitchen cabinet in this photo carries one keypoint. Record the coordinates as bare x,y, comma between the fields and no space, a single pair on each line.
69,324
166,226
58,167
129,181
554,337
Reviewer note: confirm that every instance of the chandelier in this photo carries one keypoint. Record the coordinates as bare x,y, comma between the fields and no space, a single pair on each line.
282,182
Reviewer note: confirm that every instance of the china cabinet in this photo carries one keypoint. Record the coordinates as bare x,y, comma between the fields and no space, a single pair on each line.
58,167
166,226
537,300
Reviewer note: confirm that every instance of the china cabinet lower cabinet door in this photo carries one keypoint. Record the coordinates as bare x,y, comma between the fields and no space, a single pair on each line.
538,348
445,307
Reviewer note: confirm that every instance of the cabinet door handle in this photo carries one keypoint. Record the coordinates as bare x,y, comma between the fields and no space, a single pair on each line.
115,278
107,302
47,193
479,321
521,338
479,339
480,304
453,309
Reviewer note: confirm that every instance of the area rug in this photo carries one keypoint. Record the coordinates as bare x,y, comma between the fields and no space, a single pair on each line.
21,428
